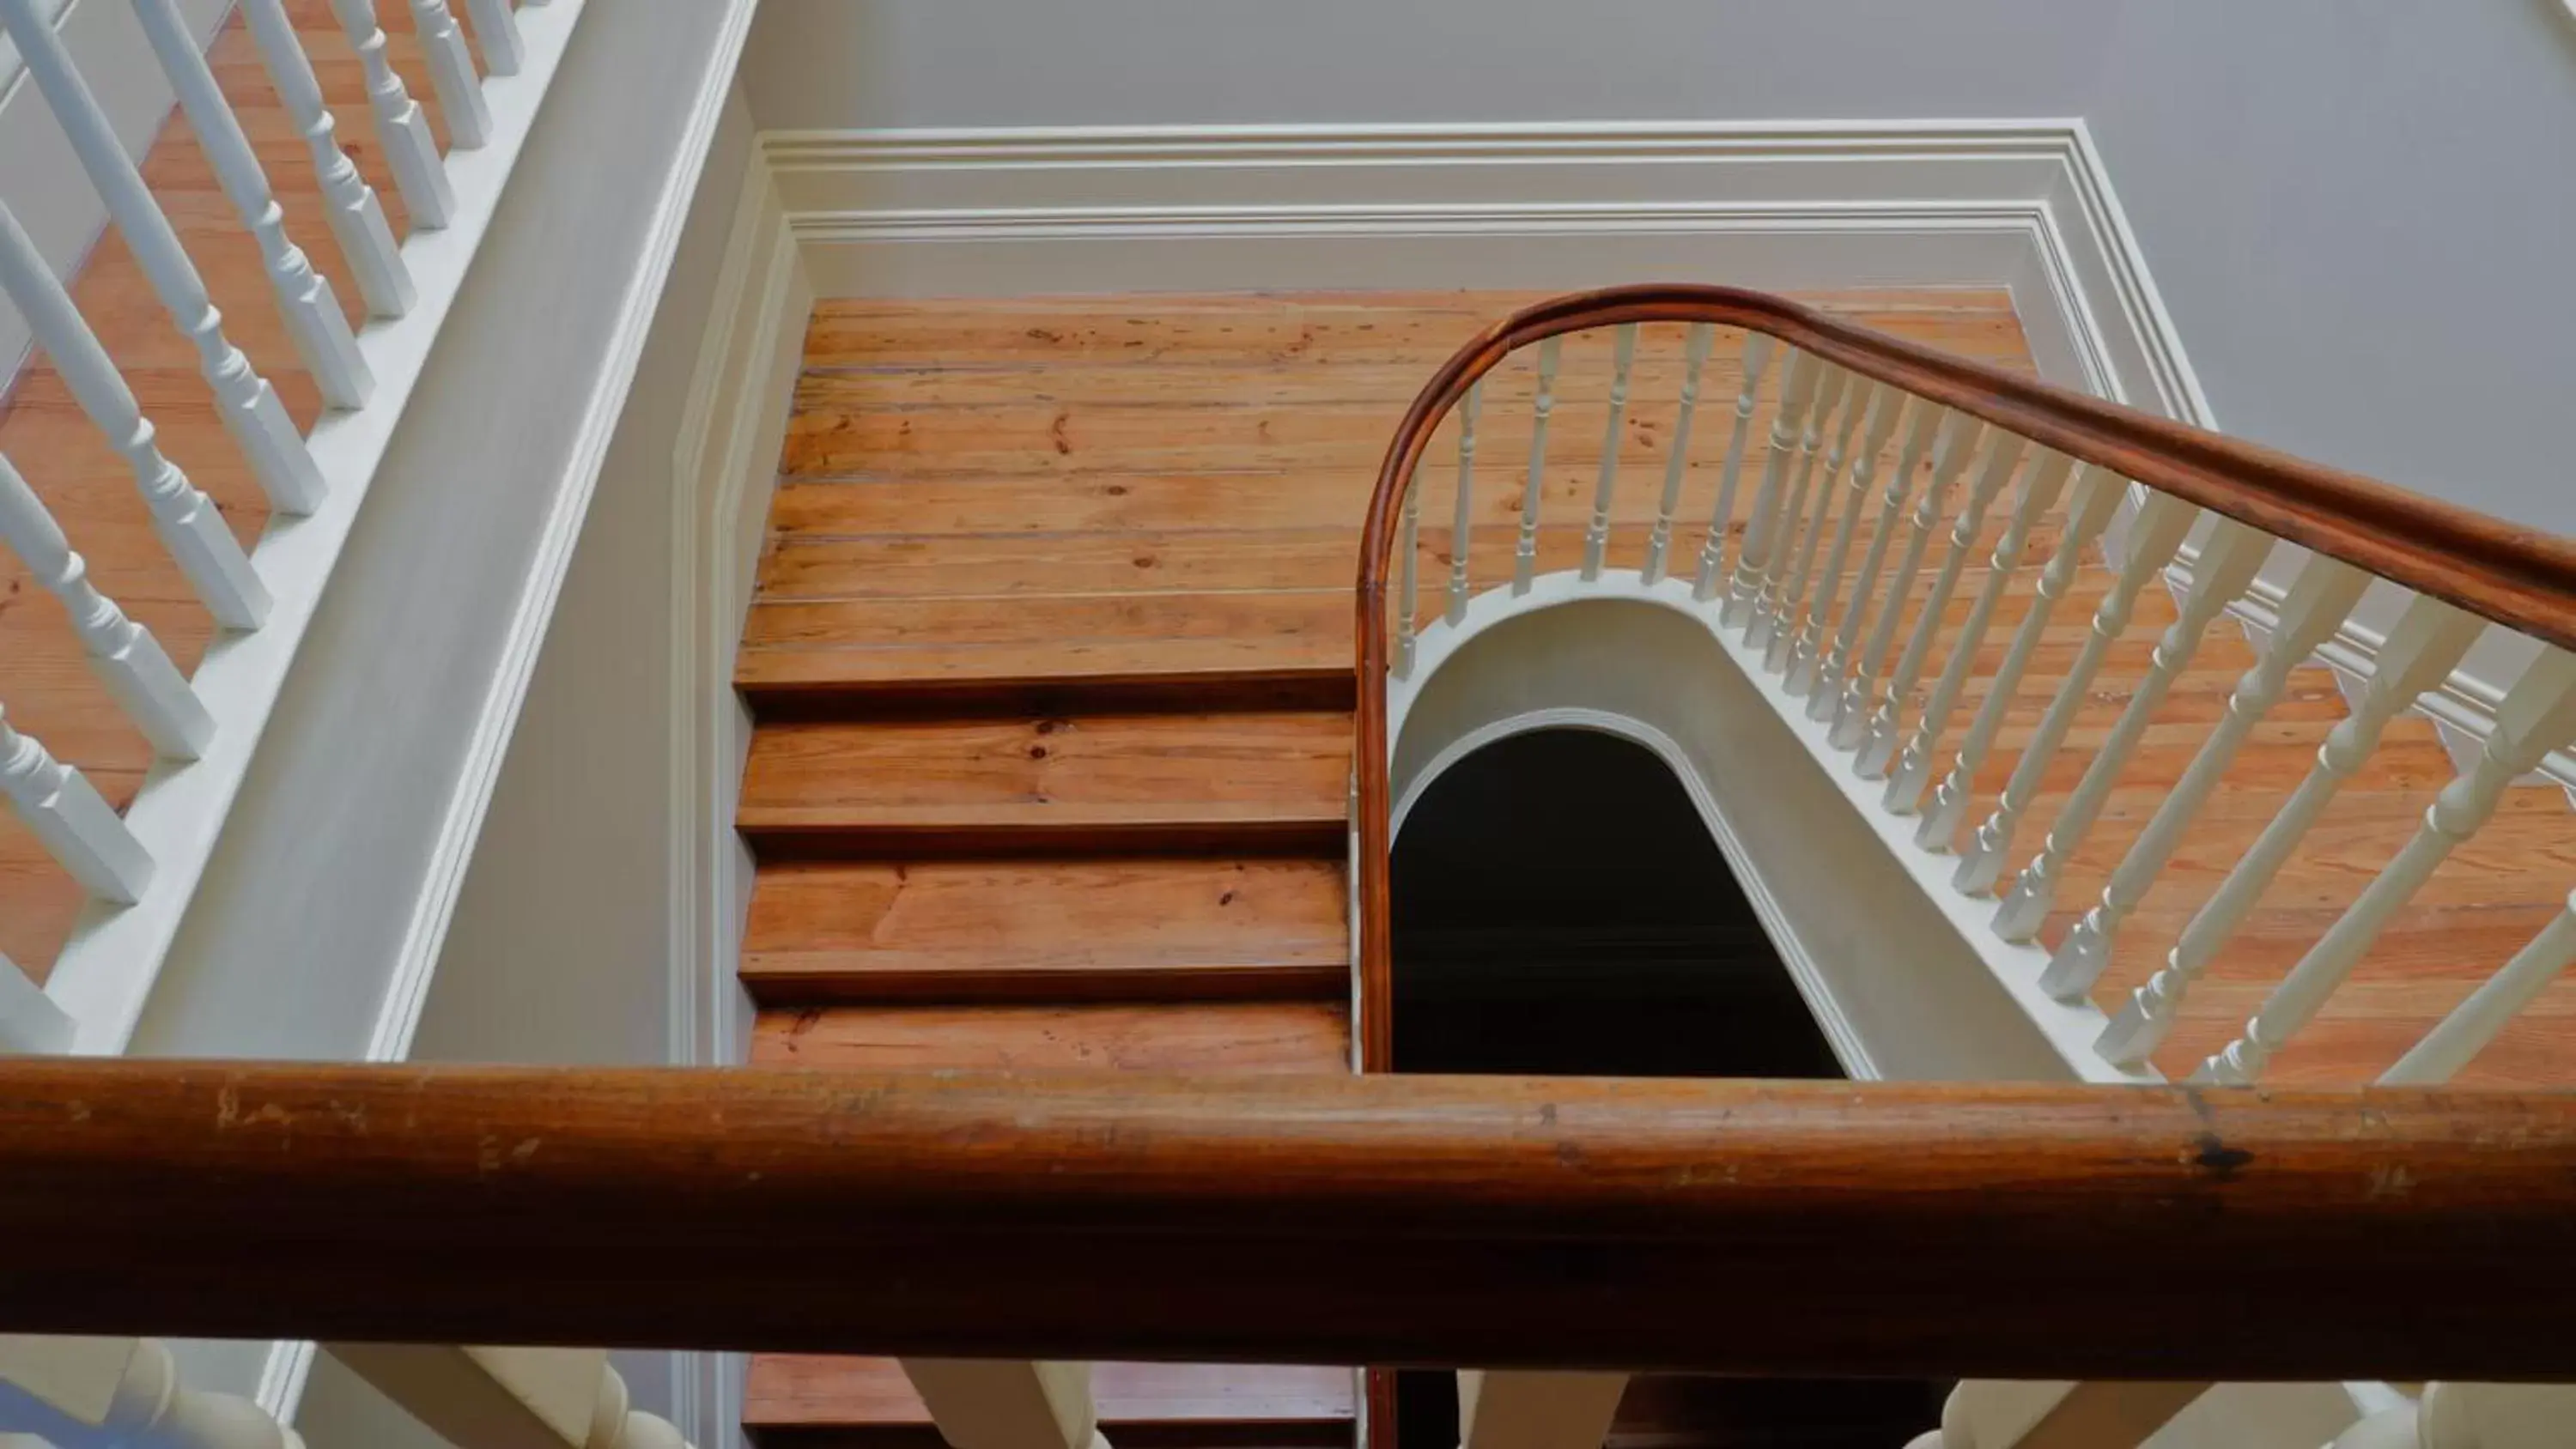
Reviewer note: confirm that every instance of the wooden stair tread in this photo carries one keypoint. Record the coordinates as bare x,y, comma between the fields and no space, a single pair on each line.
818,1402
1247,1037
1047,930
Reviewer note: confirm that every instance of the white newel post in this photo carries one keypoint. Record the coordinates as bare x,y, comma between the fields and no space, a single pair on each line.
451,74
1008,1404
1596,536
1525,554
109,1393
349,205
1463,516
510,1398
402,128
1835,695
1536,1409
1780,655
1885,403
1712,550
1886,723
1950,454
1677,462
1752,562
1791,512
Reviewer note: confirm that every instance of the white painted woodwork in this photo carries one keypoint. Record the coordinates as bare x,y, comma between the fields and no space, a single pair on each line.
1534,1409
1525,555
2095,497
509,1398
2324,593
107,1393
184,517
2538,715
30,1021
305,300
1885,403
124,655
2229,558
2495,1416
1463,518
1677,457
2390,1428
402,127
1780,651
1596,534
1950,455
451,74
1006,1404
1832,697
2029,1414
1712,550
1886,723
1753,561
1409,588
349,204
2154,534
496,31
2458,1038
247,404
1791,510
77,828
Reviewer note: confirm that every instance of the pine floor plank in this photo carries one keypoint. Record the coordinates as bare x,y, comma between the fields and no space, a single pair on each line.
1227,1038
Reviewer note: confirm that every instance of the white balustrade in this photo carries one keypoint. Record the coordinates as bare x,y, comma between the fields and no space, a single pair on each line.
1783,645
2095,497
1884,405
2474,1023
496,30
349,205
124,655
248,406
1536,1409
1878,751
1712,551
1753,561
1830,696
109,1393
1792,509
2537,716
1677,461
2155,533
1525,556
1462,524
1001,1404
2325,592
75,825
402,127
304,296
1409,591
1596,537
451,75
1950,455
510,1398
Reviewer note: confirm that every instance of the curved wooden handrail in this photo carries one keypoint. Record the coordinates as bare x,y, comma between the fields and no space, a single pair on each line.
2519,577
1794,1228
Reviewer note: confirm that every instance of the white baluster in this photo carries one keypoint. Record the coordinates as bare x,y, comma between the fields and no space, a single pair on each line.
91,1393
497,31
30,1022
402,128
2096,496
517,1396
250,409
1913,768
1596,537
349,204
1536,1408
1659,544
451,74
1525,557
1000,1404
1833,696
78,829
1798,384
2479,1020
2228,560
1463,520
2538,715
1790,514
304,297
2039,1414
2154,535
185,518
1712,550
2325,592
2418,655
1950,455
1409,593
1783,647
125,656
1886,723
1885,403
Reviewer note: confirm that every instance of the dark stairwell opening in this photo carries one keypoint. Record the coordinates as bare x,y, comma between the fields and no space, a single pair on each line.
1560,909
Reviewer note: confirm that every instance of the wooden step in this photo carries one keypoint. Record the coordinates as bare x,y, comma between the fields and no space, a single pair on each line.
1145,929
798,1401
1252,782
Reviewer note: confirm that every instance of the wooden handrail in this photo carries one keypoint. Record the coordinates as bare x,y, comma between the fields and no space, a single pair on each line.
1798,1228
2519,577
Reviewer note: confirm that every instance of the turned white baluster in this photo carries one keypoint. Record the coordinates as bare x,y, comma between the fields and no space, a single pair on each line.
1790,512
2325,592
78,829
1712,550
1798,384
514,1396
124,655
1785,632
1001,1404
1525,556
1950,455
1596,537
185,518
349,205
2095,497
248,406
2479,1020
2418,655
402,127
2154,534
451,74
2039,492
1659,543
1408,543
1885,403
1536,1408
1833,695
497,31
106,1393
1463,518
1886,723
2538,715
304,297
2229,557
